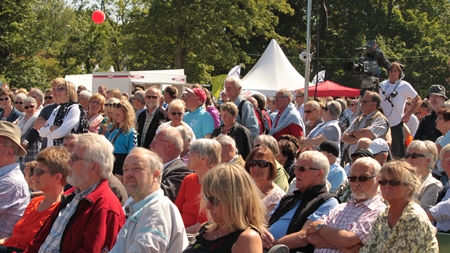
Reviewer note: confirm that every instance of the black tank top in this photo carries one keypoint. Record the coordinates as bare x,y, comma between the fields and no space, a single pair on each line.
220,245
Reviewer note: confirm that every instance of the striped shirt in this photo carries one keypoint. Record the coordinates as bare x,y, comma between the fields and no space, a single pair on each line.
52,243
200,121
148,121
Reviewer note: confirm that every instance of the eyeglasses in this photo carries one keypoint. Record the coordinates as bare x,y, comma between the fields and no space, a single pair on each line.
392,182
49,97
438,118
113,105
302,168
360,178
118,105
151,97
74,158
365,101
176,113
6,99
259,163
60,89
325,108
353,104
299,96
94,102
309,111
28,106
214,201
414,155
18,103
38,172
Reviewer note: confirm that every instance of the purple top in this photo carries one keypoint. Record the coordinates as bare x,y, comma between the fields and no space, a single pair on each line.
214,114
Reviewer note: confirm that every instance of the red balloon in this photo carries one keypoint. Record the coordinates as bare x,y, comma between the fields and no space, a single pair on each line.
98,16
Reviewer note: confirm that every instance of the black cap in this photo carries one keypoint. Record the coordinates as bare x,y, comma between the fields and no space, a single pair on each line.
362,152
330,147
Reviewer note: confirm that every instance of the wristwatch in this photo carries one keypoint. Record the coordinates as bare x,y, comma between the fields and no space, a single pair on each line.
318,227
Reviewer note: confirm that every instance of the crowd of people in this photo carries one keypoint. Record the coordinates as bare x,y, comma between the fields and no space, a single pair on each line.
176,171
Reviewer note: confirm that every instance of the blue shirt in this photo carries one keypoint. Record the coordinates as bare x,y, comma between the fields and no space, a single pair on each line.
200,121
336,176
125,142
279,228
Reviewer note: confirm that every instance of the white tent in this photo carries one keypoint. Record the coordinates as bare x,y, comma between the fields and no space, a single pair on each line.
272,72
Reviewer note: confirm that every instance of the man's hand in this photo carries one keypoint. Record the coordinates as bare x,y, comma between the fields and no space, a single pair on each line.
406,117
312,227
354,249
268,240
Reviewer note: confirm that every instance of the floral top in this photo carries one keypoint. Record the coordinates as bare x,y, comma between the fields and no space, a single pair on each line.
412,233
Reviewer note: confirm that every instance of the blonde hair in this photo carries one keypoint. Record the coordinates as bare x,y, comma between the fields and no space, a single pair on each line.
71,91
116,93
428,148
101,98
238,195
130,116
177,103
404,172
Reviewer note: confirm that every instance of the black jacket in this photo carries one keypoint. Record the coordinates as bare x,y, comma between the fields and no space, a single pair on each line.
427,128
159,118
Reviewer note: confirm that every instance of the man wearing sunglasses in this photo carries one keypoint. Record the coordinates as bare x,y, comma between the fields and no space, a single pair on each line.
331,232
149,120
296,211
370,124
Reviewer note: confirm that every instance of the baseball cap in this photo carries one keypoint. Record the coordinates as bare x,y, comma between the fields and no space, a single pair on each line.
330,147
362,152
200,93
139,95
378,145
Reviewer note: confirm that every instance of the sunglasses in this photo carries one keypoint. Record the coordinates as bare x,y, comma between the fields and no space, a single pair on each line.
28,106
325,108
365,101
18,103
414,155
6,99
360,178
259,163
49,97
39,172
176,113
309,111
60,89
214,201
302,168
94,102
353,104
392,182
151,97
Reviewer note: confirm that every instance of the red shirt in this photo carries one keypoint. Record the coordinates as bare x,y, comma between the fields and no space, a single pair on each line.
188,201
292,129
31,222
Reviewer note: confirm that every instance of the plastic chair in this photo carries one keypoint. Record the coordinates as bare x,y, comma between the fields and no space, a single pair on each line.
280,248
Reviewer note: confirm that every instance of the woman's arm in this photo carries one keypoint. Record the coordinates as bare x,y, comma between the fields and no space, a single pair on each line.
249,241
70,121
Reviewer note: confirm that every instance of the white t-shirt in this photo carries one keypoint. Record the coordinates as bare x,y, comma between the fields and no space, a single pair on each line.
394,113
413,124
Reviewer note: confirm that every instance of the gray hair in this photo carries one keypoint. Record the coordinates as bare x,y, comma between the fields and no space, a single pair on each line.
30,100
227,140
428,148
85,94
9,143
233,79
98,149
286,92
38,94
444,150
335,109
186,133
209,149
21,96
173,135
270,142
369,162
319,160
154,161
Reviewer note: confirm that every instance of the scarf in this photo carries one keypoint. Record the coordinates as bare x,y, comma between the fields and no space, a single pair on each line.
63,110
290,115
24,124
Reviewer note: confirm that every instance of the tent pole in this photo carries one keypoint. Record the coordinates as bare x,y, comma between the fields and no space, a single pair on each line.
318,45
308,50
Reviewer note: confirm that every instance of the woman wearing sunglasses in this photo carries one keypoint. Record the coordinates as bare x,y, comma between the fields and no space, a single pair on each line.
9,113
403,226
423,155
30,137
235,211
18,101
50,178
175,113
204,154
68,117
261,165
122,134
95,112
232,128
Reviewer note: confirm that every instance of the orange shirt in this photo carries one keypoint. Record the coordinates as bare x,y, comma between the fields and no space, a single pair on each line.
31,222
188,201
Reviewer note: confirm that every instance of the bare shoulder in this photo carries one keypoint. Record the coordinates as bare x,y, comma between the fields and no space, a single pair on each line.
249,241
